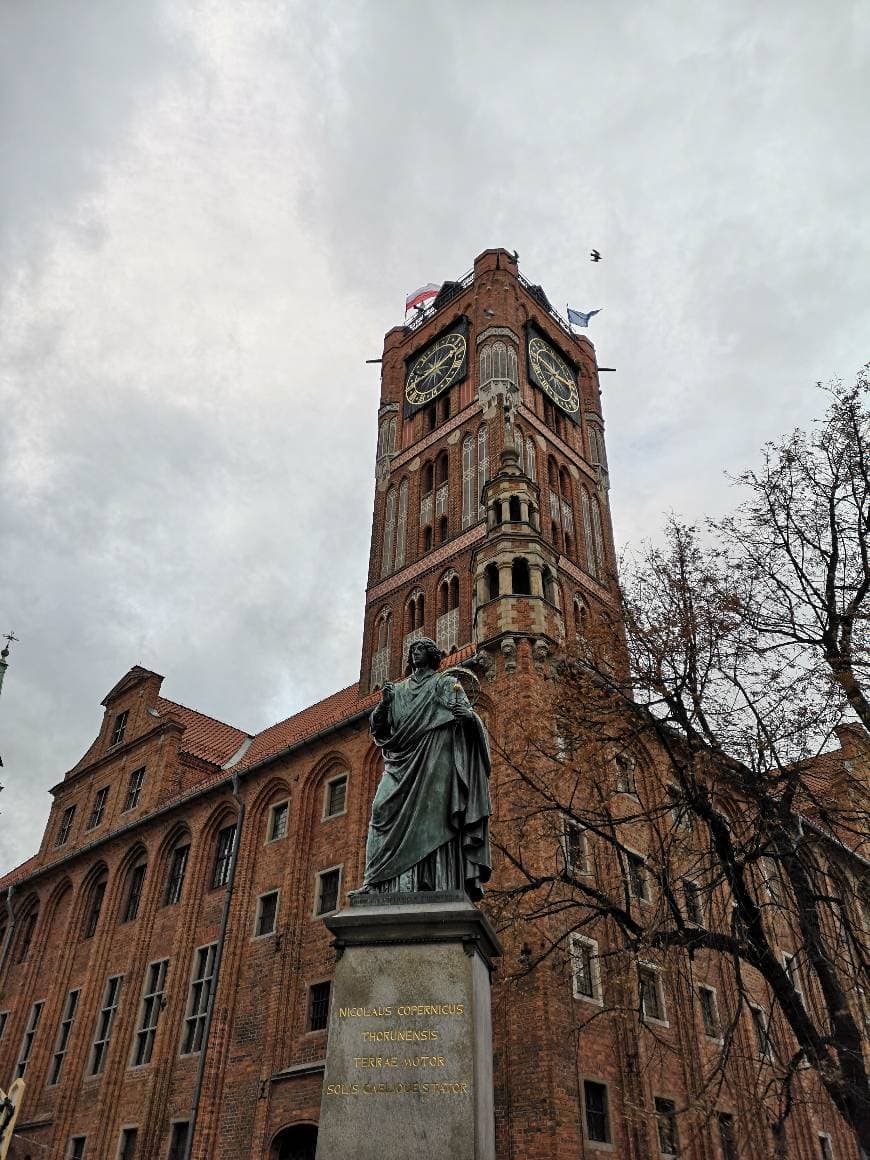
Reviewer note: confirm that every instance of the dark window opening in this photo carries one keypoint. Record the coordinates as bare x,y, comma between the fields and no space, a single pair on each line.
327,891
727,1136
441,469
521,582
428,478
318,1007
445,406
223,856
119,728
667,1126
431,417
442,529
427,539
549,584
134,789
134,893
336,796
267,913
514,509
178,1141
175,881
597,1116
66,822
490,576
92,917
127,1144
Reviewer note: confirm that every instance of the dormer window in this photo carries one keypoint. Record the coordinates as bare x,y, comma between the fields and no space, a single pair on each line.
119,728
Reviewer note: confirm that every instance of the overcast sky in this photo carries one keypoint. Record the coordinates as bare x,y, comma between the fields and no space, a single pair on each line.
211,212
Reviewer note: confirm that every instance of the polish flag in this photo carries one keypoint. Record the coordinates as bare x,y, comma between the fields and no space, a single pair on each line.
420,296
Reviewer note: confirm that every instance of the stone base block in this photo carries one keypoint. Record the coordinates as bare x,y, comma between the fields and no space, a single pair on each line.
409,1056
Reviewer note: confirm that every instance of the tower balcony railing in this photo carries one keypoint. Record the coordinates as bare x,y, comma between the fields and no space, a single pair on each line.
441,500
443,298
541,298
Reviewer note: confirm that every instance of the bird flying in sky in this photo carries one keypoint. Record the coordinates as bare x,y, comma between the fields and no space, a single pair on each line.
595,256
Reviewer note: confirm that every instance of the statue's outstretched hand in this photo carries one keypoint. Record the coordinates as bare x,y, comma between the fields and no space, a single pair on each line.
387,692
462,711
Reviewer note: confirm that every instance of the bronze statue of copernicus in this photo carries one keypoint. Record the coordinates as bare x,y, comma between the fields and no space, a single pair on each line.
429,828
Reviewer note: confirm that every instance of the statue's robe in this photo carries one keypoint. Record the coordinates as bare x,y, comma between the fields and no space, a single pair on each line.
429,827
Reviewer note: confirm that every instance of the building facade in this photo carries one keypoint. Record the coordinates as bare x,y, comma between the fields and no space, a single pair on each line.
165,977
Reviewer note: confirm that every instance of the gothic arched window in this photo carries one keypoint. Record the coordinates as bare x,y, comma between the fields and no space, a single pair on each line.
567,509
447,624
592,531
581,617
490,576
520,445
389,532
382,636
498,365
531,466
402,523
521,584
468,504
482,467
551,591
514,509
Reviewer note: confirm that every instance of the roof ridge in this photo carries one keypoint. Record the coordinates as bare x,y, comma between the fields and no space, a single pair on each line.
207,716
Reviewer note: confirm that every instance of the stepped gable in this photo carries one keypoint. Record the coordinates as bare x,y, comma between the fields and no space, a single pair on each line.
204,737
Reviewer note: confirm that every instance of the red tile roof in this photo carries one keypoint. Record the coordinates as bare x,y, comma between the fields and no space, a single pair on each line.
18,873
204,737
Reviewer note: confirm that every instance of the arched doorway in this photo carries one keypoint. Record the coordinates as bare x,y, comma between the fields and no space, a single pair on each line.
296,1143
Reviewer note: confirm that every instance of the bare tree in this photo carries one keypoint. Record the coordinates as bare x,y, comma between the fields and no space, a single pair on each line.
676,803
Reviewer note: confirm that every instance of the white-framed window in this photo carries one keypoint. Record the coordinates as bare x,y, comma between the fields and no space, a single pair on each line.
826,1147
105,1023
128,1143
178,1140
575,848
637,876
198,998
327,891
585,968
710,1012
63,1033
98,808
279,819
119,728
28,1038
149,1012
76,1149
335,796
134,789
651,994
65,826
625,774
318,1007
789,962
267,914
223,856
596,1112
761,1031
175,878
666,1126
693,902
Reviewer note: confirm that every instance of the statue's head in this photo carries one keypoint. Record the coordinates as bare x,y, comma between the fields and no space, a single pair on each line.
424,653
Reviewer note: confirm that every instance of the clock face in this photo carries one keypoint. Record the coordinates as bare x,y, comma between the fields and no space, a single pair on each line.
553,375
437,368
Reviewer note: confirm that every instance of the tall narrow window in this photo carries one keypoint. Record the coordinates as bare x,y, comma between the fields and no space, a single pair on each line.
709,1012
389,532
318,1007
597,1114
381,655
198,998
65,826
521,584
267,914
134,893
491,580
576,849
328,886
531,460
178,1140
625,776
63,1034
4,1018
402,524
447,623
28,926
76,1150
693,898
279,816
826,1149
520,445
149,1012
99,807
598,540
134,789
223,856
469,503
727,1136
666,1122
105,1022
652,1000
95,905
175,879
584,968
791,969
335,796
128,1143
586,508
638,880
119,728
482,468
761,1030
27,1041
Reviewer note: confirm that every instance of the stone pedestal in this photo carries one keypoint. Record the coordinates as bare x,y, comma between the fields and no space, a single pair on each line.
409,1056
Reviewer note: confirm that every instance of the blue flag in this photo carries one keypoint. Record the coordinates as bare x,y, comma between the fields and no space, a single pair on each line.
578,318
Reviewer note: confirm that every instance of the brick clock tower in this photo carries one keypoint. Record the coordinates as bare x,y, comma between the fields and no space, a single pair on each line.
491,525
